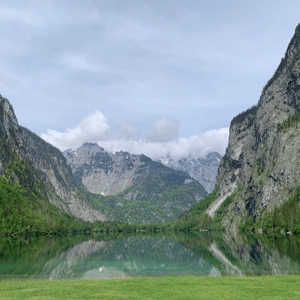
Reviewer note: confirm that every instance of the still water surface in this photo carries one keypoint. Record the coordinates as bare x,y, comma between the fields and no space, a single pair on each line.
100,257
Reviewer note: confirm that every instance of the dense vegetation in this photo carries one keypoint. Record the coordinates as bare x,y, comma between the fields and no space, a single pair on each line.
196,218
25,209
292,121
247,115
284,218
164,203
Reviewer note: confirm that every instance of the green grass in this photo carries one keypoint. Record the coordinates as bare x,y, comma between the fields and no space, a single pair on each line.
189,287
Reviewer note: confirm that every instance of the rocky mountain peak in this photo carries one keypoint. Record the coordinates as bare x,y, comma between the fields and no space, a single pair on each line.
294,45
202,169
288,66
94,147
7,111
9,128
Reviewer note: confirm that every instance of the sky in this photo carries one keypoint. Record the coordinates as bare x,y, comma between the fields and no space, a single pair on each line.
146,76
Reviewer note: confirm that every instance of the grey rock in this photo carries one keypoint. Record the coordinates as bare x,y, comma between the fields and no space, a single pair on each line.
108,174
10,134
58,177
202,169
103,173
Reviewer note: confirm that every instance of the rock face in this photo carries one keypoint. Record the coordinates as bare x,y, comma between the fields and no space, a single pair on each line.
57,175
103,173
202,169
11,134
108,174
45,161
261,165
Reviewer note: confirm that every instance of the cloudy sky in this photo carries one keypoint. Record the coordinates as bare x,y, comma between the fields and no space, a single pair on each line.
151,76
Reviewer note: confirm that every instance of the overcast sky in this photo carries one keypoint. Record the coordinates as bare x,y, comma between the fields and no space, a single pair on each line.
171,73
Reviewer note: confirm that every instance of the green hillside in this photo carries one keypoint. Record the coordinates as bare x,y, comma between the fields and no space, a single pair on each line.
163,203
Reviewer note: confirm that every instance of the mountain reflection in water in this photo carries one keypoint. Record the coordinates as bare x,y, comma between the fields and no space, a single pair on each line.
100,257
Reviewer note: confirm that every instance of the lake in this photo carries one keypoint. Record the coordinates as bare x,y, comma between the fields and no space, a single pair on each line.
121,256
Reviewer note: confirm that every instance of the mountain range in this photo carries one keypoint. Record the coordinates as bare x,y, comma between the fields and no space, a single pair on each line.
137,189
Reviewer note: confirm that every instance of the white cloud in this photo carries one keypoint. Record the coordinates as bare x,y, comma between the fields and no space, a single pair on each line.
197,145
91,129
127,131
164,130
95,128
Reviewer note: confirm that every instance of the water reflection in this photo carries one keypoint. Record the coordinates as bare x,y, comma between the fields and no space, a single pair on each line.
240,255
100,257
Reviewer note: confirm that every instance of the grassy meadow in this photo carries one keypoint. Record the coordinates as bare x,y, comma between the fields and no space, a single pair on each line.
188,287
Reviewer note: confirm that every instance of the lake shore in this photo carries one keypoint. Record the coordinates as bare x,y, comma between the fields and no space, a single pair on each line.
185,287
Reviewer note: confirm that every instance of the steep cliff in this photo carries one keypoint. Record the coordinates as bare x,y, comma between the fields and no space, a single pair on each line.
202,169
261,163
29,162
11,135
61,186
260,168
136,188
102,172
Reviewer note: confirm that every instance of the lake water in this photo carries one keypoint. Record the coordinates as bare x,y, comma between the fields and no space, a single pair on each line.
100,257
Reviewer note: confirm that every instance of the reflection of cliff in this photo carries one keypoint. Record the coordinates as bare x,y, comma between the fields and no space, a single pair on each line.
263,255
239,255
230,268
64,264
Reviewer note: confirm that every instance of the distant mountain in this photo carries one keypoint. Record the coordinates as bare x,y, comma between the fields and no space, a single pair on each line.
139,189
202,169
